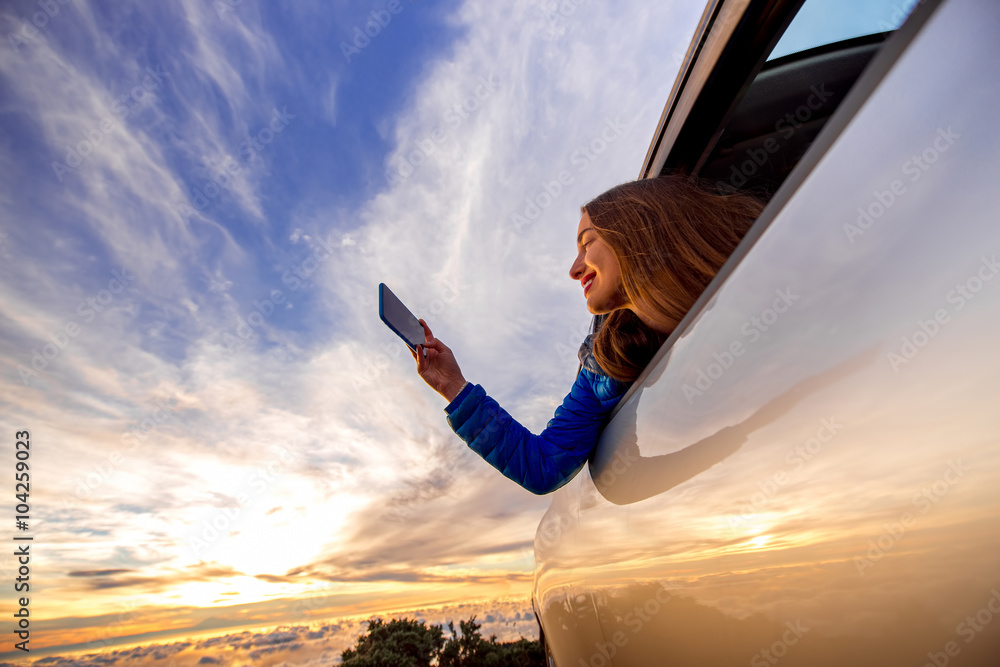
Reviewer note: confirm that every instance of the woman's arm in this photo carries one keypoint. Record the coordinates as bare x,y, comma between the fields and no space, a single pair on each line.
540,463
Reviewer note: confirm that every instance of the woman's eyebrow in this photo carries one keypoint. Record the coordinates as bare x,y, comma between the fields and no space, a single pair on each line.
579,237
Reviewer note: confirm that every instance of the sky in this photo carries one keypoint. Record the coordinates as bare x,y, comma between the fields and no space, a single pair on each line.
199,200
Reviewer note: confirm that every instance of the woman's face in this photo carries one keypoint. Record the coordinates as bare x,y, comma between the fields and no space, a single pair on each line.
597,269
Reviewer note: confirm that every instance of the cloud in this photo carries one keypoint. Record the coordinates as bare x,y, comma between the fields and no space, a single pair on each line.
106,579
329,101
316,644
96,573
176,464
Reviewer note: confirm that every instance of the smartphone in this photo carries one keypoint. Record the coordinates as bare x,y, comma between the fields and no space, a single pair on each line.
399,318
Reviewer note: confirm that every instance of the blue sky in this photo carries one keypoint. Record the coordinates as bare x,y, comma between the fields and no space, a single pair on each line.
199,201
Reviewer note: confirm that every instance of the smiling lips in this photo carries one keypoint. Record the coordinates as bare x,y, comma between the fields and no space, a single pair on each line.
587,281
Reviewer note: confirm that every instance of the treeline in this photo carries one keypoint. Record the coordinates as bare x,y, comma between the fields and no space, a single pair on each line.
411,643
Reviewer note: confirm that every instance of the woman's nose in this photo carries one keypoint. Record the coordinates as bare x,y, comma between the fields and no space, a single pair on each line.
576,271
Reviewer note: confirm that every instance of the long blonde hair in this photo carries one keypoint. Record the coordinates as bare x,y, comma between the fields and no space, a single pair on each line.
671,235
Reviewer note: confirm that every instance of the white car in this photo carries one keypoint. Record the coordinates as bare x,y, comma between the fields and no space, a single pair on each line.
809,471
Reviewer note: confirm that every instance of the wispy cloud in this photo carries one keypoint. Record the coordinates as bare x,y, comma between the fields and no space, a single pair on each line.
315,643
173,465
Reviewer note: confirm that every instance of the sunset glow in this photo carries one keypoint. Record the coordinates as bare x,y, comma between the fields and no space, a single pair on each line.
199,201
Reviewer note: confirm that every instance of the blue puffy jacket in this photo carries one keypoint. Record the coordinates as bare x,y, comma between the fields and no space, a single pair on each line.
540,463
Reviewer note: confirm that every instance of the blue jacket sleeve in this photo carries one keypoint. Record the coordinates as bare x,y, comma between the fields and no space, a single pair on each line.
540,463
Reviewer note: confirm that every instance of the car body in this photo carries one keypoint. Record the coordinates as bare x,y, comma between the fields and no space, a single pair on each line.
808,473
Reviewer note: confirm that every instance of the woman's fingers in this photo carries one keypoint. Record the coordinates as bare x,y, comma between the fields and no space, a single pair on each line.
427,330
423,358
433,344
435,362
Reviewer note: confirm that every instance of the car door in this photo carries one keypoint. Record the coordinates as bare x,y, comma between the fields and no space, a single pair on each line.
809,472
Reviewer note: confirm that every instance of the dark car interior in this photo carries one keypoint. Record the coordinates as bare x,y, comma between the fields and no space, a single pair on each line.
755,118
781,113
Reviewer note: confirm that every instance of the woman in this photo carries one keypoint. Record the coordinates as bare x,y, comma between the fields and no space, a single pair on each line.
645,252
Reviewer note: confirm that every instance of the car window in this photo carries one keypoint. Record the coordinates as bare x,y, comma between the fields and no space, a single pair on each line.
822,22
783,111
756,115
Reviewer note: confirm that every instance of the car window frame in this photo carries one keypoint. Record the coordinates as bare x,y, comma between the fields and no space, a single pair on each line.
881,64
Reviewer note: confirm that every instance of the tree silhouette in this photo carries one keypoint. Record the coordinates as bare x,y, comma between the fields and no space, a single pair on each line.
398,643
410,643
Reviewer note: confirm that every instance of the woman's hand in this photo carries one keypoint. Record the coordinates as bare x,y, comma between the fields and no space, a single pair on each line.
439,368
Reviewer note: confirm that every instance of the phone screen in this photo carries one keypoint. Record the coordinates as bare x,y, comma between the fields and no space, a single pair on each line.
398,317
